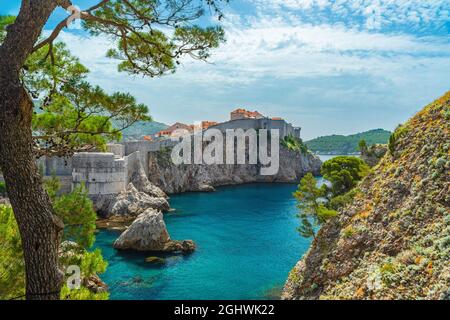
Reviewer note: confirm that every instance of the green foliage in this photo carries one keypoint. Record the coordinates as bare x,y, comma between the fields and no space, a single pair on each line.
362,145
338,144
78,214
395,137
153,37
82,294
76,210
344,173
73,113
312,212
348,232
90,263
12,268
4,22
142,128
294,144
52,186
341,201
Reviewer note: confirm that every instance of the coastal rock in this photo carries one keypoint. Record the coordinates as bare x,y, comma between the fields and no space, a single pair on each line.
373,154
140,195
155,260
173,178
131,202
142,184
206,188
184,246
95,284
392,241
117,223
149,233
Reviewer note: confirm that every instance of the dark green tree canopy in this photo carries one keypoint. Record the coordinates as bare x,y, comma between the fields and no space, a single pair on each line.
344,173
151,38
312,210
71,114
151,35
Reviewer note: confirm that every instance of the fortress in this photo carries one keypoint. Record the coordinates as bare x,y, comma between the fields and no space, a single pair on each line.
239,119
108,173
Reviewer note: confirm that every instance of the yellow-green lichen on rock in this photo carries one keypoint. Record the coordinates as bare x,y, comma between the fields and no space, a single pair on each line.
393,240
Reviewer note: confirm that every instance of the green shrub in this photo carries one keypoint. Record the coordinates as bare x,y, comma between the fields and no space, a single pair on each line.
76,210
341,201
400,132
312,213
293,143
348,232
78,214
12,267
344,173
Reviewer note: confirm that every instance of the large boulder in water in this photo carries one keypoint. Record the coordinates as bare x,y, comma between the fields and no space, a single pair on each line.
149,233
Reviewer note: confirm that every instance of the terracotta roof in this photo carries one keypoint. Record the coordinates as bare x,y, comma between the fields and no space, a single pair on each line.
246,113
207,124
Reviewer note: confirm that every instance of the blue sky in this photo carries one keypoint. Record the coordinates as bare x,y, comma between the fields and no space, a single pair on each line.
330,67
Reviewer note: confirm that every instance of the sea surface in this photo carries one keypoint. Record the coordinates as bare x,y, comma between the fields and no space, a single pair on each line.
246,245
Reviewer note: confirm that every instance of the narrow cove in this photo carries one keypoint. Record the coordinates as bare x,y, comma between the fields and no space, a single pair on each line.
246,245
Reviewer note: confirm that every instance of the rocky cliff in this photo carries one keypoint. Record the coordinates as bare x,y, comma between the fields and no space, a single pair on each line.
393,241
181,178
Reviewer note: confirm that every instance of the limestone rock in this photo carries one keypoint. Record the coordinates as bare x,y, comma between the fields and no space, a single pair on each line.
148,233
185,246
374,154
117,223
392,241
206,188
155,260
95,284
142,184
132,203
173,178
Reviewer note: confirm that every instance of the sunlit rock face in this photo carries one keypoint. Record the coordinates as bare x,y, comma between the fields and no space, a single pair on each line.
392,241
173,178
149,233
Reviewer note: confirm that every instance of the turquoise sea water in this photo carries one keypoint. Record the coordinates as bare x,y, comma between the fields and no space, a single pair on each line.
246,245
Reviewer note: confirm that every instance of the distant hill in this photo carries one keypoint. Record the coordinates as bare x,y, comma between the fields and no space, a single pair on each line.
338,144
142,128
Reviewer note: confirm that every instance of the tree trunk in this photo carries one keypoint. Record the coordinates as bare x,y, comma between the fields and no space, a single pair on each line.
39,228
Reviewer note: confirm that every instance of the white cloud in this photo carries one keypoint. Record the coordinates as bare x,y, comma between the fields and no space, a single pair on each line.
284,66
375,14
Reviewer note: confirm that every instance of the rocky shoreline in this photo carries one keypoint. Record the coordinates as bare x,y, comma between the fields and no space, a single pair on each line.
138,211
174,179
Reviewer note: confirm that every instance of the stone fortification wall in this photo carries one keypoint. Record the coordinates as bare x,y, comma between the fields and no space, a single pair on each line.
102,173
